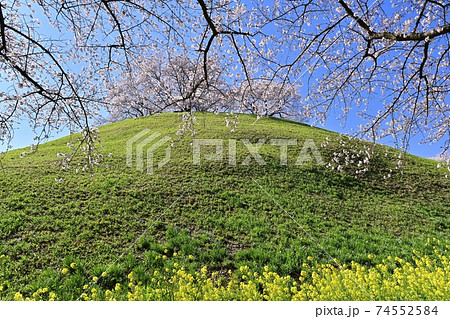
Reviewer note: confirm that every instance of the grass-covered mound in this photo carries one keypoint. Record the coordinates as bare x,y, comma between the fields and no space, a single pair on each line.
214,214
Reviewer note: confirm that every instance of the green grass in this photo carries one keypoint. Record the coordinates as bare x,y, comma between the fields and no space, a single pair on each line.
224,220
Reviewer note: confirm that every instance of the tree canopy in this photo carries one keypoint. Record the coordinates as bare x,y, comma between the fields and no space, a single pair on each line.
388,62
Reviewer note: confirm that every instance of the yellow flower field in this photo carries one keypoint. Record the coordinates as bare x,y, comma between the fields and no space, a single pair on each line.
427,278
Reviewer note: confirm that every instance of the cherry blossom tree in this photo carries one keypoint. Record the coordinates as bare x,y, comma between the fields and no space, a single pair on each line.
266,98
385,61
162,84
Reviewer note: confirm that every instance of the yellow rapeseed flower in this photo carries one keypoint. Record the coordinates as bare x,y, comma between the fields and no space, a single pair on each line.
18,296
423,279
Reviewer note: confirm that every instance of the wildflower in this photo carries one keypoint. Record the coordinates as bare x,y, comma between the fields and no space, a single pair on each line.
104,274
18,296
95,279
131,276
52,296
73,265
65,271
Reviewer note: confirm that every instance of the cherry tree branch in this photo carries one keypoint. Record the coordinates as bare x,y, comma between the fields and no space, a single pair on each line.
2,30
412,36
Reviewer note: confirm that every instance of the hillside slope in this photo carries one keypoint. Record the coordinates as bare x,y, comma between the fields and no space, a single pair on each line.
215,214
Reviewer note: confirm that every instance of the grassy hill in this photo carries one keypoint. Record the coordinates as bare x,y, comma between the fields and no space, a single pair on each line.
222,216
